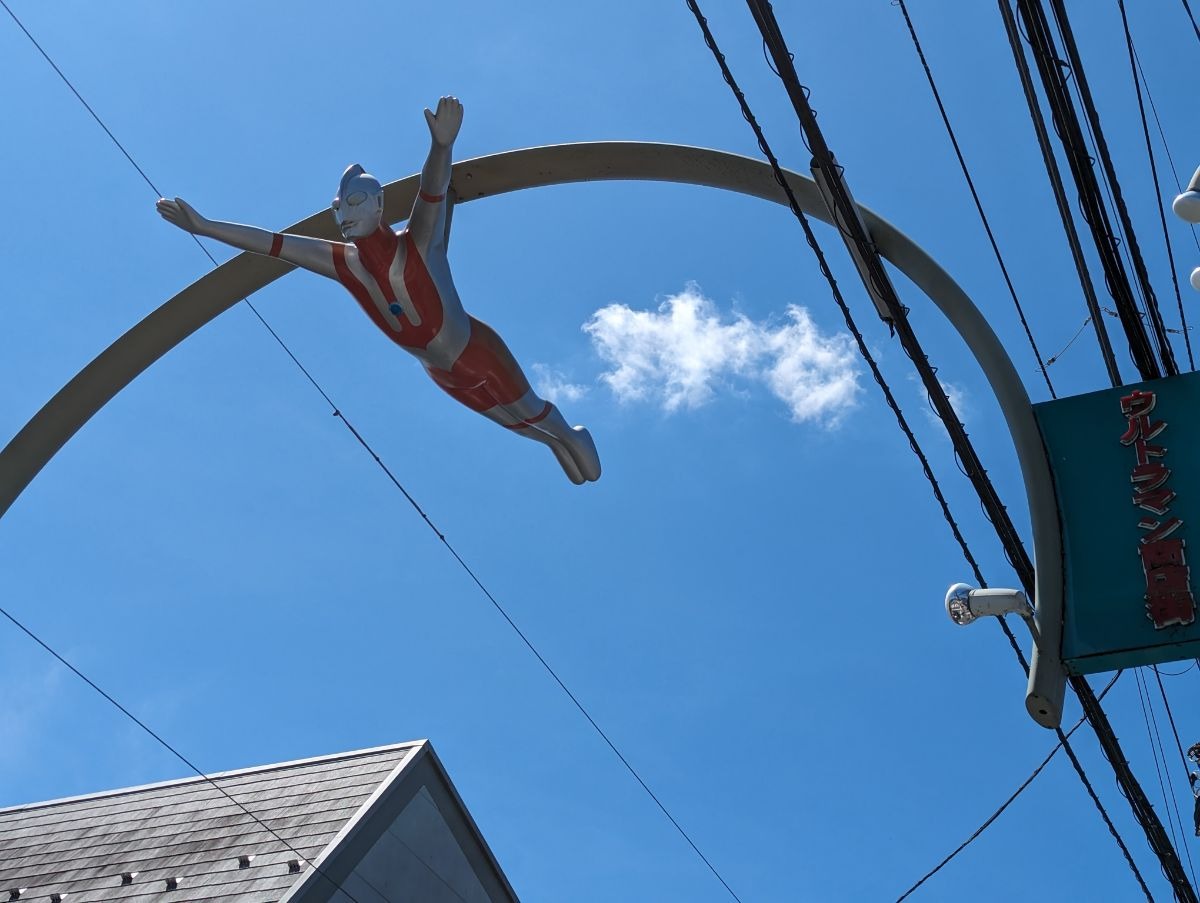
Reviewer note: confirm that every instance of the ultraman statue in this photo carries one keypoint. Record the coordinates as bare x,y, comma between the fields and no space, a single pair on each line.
402,281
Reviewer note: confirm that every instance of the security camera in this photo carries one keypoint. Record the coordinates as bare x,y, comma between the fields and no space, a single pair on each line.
1187,206
965,604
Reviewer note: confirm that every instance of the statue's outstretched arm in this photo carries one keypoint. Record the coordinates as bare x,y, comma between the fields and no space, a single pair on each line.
310,253
427,223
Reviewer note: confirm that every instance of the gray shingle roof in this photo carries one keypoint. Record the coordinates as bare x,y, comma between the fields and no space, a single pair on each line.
189,831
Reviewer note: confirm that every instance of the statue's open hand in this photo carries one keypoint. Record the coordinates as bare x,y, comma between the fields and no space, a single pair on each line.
445,123
182,214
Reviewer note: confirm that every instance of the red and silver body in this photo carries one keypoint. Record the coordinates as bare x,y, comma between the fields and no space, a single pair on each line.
402,281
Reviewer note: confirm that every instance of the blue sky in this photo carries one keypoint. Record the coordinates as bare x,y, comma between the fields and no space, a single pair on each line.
749,600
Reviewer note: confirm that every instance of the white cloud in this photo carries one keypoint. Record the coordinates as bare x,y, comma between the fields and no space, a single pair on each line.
681,354
552,385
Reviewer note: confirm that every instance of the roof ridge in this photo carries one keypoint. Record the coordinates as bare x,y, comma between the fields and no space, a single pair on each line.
194,779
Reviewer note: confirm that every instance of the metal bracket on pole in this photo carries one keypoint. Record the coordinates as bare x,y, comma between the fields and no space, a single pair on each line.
875,292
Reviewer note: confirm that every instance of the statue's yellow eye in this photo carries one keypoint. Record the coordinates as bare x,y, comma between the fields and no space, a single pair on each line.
357,198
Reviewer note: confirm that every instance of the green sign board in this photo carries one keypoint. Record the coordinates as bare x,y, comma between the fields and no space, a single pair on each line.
1126,466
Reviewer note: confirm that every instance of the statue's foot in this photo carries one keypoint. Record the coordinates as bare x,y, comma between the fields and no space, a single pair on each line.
566,462
583,451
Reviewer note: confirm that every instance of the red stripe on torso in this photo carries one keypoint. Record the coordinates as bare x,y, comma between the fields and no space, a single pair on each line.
376,253
424,294
347,278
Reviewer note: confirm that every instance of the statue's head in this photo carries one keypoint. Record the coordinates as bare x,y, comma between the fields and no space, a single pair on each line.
358,205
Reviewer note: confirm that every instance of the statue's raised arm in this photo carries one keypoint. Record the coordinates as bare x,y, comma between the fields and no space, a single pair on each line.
428,220
402,282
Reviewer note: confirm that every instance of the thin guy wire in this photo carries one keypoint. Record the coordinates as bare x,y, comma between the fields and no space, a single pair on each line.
1070,231
1170,780
1137,84
1162,137
1167,771
26,630
1167,706
1119,244
1155,751
412,501
145,178
554,674
1078,333
864,351
171,749
1051,68
1094,156
1013,547
1113,185
1000,811
1178,745
748,115
1091,791
937,96
1195,27
876,274
1192,664
1162,216
1169,860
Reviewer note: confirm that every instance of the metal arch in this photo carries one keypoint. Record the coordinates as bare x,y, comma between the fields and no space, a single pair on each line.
202,301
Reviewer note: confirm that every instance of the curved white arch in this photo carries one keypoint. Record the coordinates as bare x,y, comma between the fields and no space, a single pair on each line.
117,366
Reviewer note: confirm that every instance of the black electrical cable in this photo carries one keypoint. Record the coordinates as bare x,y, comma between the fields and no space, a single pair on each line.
748,115
1158,328
1067,126
1192,664
1195,27
1050,66
412,501
1008,802
1060,195
1054,357
962,163
847,212
1156,752
1167,771
769,28
864,351
1162,216
1170,714
1162,137
177,754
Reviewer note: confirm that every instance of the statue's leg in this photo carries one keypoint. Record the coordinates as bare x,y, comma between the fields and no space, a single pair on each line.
487,379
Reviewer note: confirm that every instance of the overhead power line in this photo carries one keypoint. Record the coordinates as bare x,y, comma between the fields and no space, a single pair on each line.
175,752
1188,9
1008,802
1154,741
810,237
1162,137
1060,196
1158,329
337,412
1134,69
1055,357
987,226
995,510
1066,124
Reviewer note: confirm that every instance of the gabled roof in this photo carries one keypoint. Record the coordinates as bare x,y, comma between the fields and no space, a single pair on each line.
190,831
